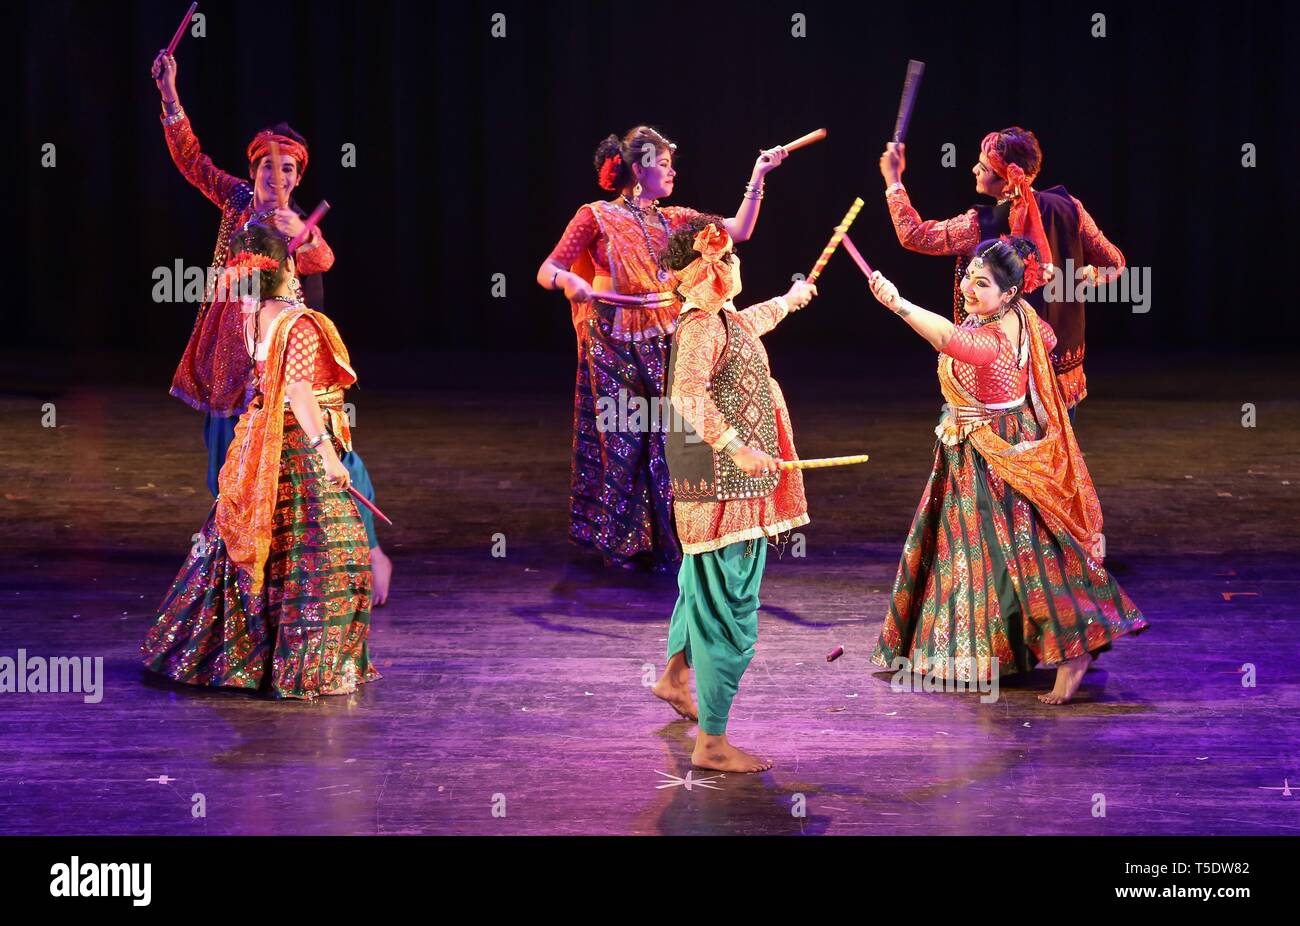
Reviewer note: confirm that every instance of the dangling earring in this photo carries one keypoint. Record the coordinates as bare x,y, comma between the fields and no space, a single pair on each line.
636,191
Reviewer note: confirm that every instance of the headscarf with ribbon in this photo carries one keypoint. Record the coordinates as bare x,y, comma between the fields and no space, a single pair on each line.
1025,219
709,281
260,146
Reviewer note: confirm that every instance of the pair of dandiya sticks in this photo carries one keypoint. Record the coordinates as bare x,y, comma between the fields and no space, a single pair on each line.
906,104
312,221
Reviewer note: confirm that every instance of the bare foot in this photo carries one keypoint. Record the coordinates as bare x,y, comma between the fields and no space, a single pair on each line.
382,569
714,752
1069,675
676,692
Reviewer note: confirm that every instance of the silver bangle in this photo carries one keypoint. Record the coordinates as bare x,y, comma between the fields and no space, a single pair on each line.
733,445
318,439
896,185
174,117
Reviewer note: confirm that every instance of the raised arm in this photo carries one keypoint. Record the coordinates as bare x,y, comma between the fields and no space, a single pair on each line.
194,165
761,318
741,225
957,235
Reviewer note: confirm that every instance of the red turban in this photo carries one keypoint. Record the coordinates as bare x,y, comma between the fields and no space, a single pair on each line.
1025,219
260,146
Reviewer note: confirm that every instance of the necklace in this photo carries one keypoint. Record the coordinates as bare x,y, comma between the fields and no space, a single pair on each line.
640,220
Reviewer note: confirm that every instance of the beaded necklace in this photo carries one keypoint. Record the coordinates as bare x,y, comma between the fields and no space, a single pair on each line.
640,220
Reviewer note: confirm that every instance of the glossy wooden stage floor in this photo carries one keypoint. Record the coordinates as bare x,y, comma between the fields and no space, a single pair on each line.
514,698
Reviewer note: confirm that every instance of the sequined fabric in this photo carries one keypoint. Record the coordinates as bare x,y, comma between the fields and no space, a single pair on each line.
247,479
711,525
983,575
306,634
605,239
620,495
213,372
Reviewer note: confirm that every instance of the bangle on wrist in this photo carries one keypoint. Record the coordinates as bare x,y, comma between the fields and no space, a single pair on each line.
734,446
318,440
896,185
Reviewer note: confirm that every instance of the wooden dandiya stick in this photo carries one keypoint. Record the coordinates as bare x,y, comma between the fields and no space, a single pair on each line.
176,39
857,258
281,193
835,239
802,141
907,102
369,504
824,461
312,221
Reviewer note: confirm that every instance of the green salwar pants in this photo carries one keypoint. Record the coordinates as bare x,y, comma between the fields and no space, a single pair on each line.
715,623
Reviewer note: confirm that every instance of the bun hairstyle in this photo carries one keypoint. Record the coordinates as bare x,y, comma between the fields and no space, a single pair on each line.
615,156
1007,259
257,238
1020,146
680,250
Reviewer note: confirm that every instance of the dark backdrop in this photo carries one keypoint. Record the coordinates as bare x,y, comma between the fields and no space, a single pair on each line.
473,152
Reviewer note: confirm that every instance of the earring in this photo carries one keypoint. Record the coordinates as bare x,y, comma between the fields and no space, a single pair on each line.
636,191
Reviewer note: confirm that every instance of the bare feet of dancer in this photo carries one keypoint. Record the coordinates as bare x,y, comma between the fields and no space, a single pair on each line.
714,752
674,687
382,569
1069,675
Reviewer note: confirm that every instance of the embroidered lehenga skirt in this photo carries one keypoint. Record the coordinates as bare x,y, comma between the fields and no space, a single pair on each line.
306,633
983,576
621,501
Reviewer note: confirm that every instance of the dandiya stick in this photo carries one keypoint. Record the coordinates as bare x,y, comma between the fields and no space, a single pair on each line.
281,193
824,461
857,258
369,504
176,39
312,221
906,103
835,239
608,295
802,141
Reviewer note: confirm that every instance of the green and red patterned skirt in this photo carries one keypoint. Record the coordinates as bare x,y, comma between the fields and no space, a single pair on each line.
306,634
983,577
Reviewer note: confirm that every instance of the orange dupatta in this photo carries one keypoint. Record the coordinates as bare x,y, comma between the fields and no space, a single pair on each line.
1049,472
250,476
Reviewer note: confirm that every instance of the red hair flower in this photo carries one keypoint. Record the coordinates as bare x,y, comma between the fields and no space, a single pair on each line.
243,264
609,172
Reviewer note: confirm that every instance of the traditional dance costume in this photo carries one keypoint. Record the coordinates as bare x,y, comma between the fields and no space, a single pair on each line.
1054,220
721,385
214,370
621,500
275,596
1001,560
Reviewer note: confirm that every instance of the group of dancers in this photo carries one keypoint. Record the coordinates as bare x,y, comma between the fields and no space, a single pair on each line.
1002,569
276,593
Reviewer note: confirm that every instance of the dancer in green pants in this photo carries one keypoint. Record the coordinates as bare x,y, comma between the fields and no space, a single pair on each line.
729,493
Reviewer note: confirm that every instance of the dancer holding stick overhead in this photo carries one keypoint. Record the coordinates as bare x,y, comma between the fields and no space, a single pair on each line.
730,494
275,596
1060,227
214,370
624,312
1002,568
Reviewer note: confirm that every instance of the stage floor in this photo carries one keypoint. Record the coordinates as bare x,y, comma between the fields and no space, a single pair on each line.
514,696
